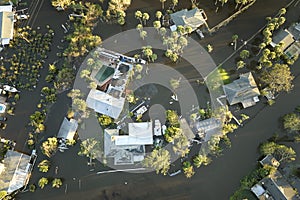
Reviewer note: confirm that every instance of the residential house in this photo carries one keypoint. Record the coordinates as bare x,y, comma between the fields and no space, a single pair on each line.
6,24
128,148
194,18
284,37
187,131
67,129
269,160
208,128
274,186
294,29
293,50
15,171
243,90
109,97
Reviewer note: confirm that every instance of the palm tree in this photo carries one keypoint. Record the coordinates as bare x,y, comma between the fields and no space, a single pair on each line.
138,15
56,183
240,64
157,25
162,4
145,18
223,2
158,15
261,47
174,4
139,27
44,166
147,52
143,34
188,169
244,54
175,83
281,12
201,159
43,182
162,31
209,48
235,38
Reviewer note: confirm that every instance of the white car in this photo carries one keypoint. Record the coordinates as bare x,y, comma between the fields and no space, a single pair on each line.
200,33
21,17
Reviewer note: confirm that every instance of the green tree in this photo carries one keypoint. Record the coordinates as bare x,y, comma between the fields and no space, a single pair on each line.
105,120
138,15
159,160
279,78
209,48
145,18
172,117
279,151
157,25
282,11
43,182
235,39
181,145
44,166
188,169
90,148
201,159
240,64
56,183
158,14
291,122
74,93
162,4
244,54
49,147
175,83
61,3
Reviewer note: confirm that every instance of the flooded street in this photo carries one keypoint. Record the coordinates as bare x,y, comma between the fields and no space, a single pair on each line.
217,181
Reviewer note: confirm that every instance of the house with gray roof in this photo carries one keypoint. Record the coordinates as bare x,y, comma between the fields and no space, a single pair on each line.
282,36
274,187
194,18
15,171
208,128
294,29
128,148
67,129
269,160
243,90
6,24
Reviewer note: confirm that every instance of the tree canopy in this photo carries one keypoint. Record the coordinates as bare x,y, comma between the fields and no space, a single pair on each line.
158,159
278,78
279,151
291,122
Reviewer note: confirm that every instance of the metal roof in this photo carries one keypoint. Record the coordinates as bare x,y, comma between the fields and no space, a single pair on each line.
241,90
67,129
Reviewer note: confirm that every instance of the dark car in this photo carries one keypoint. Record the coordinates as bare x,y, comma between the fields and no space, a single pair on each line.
3,118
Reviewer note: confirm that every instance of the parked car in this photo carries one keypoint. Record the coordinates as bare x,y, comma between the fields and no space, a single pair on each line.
3,119
21,17
200,33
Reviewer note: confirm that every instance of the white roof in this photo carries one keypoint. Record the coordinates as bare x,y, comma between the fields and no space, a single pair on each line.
68,129
6,8
104,103
258,190
139,134
16,171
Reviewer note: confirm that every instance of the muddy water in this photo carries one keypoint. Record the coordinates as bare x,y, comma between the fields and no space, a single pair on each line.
217,181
